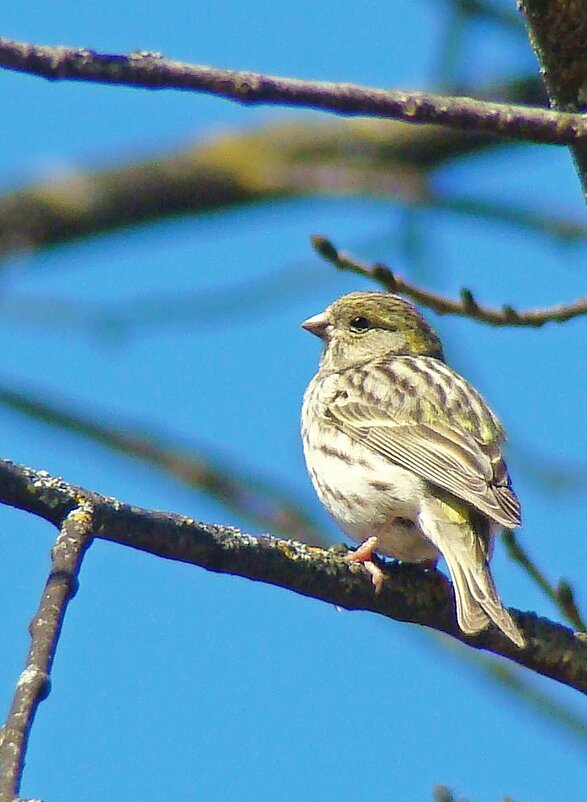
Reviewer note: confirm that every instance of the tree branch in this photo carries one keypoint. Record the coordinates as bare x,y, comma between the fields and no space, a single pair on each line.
151,71
34,683
409,594
466,307
557,31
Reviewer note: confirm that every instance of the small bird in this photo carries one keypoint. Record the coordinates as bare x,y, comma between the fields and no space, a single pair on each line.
404,453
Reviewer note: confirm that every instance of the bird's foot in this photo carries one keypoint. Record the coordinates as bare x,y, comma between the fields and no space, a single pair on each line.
363,555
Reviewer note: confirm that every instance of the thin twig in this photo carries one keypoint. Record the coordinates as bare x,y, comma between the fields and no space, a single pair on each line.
408,593
468,306
562,595
151,71
34,683
517,684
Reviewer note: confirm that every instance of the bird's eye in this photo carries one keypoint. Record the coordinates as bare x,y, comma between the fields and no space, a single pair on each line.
360,324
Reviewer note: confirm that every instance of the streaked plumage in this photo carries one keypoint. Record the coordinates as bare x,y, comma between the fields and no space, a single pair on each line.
401,447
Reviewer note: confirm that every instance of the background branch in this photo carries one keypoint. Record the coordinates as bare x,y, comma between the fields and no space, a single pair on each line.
151,71
257,500
503,17
505,677
408,594
346,158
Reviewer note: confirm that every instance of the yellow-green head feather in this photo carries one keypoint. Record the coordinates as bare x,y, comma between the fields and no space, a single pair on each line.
365,325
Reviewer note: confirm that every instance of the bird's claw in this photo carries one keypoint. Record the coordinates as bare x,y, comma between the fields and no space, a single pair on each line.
363,556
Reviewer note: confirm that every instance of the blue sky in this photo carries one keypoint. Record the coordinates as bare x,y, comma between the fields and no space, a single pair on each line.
169,680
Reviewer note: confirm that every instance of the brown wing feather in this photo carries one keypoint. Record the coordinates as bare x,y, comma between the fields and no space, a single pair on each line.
444,456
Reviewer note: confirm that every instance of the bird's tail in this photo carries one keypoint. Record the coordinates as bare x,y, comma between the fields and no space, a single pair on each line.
465,553
476,598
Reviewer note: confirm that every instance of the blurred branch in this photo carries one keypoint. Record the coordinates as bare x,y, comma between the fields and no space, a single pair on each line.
450,45
258,501
408,593
481,9
557,476
442,793
151,71
516,683
371,158
282,160
34,683
466,307
459,18
562,595
113,321
564,230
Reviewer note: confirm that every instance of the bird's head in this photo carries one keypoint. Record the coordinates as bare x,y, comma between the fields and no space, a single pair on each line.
369,325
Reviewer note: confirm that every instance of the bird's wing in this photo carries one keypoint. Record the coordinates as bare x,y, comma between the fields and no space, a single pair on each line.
439,453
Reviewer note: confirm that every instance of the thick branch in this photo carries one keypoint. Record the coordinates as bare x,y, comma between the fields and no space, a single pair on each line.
408,594
34,683
557,30
151,71
467,306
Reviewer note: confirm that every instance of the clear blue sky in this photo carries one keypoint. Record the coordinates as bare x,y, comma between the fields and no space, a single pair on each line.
173,682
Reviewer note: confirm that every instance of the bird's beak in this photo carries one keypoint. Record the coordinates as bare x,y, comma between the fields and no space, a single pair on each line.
317,325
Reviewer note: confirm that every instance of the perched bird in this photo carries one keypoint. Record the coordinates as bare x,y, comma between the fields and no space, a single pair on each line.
404,453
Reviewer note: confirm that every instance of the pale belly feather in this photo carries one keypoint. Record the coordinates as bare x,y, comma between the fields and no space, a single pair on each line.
371,497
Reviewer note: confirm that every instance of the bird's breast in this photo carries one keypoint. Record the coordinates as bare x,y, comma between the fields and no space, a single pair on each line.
359,488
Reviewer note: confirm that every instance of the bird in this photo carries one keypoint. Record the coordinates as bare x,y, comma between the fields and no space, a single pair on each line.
405,454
